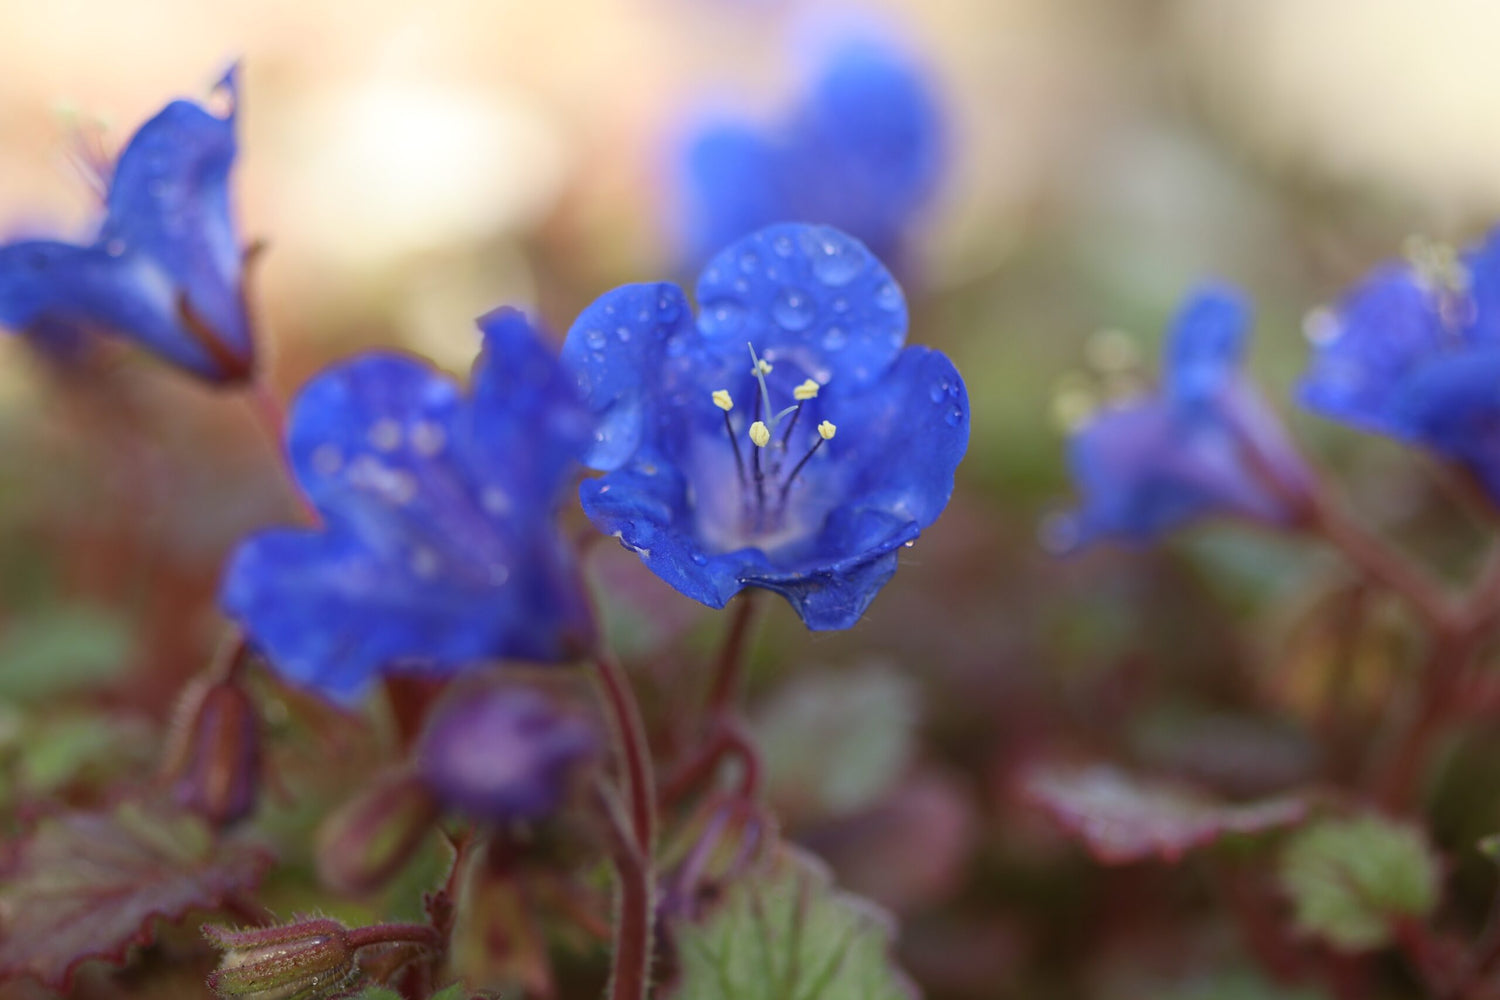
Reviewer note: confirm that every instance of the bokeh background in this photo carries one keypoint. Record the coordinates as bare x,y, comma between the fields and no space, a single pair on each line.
413,165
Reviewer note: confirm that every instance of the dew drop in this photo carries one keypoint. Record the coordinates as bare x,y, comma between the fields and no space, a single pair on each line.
836,260
428,438
955,416
384,435
595,339
622,334
749,262
424,562
722,318
495,500
115,247
792,309
938,392
327,460
700,559
835,339
888,297
783,246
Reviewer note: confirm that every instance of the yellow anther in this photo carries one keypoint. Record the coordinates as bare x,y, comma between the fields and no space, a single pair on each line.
807,390
722,400
762,367
760,434
827,430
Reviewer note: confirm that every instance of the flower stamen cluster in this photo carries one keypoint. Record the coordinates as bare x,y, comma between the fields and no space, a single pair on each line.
762,434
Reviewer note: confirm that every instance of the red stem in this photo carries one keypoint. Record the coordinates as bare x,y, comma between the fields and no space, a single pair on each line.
727,740
1382,565
635,753
630,967
420,935
730,665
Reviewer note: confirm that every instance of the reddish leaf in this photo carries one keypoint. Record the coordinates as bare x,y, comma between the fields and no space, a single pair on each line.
1123,818
91,884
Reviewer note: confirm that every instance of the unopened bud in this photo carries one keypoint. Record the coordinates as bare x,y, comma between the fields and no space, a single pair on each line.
216,767
367,841
310,958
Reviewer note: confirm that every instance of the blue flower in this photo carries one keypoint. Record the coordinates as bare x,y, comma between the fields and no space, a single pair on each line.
438,546
166,267
1206,444
503,753
1413,352
862,151
784,440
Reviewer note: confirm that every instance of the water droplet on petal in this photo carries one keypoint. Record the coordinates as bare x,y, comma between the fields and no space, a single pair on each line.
783,246
495,500
749,262
700,559
792,309
384,434
835,339
622,334
938,392
595,339
840,305
836,260
888,297
955,416
722,318
115,247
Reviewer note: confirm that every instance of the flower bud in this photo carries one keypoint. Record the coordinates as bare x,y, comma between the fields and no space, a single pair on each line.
503,753
310,958
371,837
216,768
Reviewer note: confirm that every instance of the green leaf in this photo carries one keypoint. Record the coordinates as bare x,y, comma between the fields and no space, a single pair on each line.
835,742
1350,878
788,933
60,650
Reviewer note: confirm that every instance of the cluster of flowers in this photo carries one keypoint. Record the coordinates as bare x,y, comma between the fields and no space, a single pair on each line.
1412,352
782,437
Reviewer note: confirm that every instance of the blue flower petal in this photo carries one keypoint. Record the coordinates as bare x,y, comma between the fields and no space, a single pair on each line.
1143,471
439,546
732,185
1452,405
867,144
169,202
522,396
1207,343
630,350
821,520
905,437
165,268
862,151
1206,445
1384,328
810,295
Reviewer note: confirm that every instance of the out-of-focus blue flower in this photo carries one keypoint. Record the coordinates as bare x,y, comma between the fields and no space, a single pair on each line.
1414,352
1206,444
438,546
503,753
166,267
784,439
862,152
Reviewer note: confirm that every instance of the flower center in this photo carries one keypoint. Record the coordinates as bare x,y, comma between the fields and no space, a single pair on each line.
764,485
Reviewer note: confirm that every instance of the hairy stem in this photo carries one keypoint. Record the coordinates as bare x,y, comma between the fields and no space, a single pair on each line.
630,965
635,753
420,935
